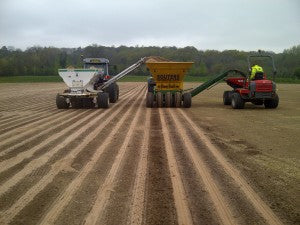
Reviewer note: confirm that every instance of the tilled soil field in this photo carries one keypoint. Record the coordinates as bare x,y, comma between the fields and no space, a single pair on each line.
124,165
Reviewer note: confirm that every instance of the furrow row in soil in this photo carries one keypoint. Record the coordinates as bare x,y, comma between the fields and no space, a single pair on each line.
65,197
260,206
36,130
64,164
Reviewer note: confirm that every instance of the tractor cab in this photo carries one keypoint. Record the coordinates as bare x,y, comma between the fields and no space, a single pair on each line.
101,65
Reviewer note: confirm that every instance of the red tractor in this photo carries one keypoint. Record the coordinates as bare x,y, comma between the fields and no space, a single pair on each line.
259,91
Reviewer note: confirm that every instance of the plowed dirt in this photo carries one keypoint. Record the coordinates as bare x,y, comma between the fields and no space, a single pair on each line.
133,165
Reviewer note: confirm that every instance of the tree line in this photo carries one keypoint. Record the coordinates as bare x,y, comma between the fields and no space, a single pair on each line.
45,61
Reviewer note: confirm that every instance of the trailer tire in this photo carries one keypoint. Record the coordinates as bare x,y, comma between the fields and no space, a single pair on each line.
168,99
61,102
237,102
227,97
159,99
178,99
103,100
113,93
149,100
272,103
187,100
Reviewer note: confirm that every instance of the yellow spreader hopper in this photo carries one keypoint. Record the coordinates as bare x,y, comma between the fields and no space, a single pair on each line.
165,87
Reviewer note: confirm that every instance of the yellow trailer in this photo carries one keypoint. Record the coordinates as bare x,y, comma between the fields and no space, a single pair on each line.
165,87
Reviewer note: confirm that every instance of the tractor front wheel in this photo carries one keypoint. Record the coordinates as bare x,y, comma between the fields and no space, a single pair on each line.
187,100
237,102
102,100
272,103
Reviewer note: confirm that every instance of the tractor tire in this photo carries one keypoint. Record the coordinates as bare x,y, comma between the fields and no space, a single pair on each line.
168,99
113,92
149,100
237,102
159,99
103,100
227,97
272,103
88,103
187,100
118,91
258,102
178,98
61,102
77,103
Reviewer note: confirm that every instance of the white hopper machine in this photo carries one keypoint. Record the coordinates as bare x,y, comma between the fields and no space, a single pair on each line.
91,86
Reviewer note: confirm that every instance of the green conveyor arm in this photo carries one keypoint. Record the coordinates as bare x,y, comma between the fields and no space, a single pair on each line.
209,83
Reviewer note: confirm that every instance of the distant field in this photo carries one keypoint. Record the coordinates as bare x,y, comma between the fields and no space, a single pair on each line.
38,79
29,79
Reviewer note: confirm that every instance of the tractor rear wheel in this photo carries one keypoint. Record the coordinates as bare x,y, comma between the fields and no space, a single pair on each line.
159,99
227,97
118,91
272,103
237,102
113,92
168,99
61,102
187,100
149,100
102,100
178,99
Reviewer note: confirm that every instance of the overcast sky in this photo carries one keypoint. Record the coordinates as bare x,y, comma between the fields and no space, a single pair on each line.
214,24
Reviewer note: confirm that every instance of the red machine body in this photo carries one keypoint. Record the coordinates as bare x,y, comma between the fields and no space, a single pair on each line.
258,91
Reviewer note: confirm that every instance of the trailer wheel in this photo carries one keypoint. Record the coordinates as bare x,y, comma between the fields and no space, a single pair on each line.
168,99
61,102
187,100
237,102
227,97
102,100
113,93
272,103
178,99
149,100
159,99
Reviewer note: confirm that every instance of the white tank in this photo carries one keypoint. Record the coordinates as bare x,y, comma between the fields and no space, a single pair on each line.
79,79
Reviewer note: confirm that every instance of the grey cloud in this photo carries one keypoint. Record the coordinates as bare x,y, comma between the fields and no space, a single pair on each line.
215,24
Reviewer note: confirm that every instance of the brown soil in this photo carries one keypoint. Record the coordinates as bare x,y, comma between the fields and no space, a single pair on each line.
132,165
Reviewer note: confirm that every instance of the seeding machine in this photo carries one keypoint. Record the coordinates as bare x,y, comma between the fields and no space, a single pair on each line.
93,86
